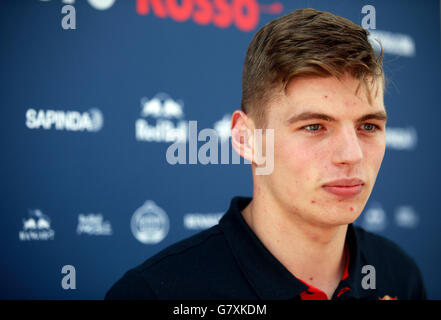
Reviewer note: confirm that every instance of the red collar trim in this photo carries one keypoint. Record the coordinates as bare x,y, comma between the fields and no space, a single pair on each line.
346,273
313,293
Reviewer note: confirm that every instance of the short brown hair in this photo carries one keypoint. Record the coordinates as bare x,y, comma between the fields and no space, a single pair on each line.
305,42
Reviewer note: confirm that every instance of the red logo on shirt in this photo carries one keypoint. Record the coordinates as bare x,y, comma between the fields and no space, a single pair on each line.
386,297
343,290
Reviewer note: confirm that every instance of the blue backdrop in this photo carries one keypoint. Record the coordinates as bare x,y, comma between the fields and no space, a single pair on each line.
88,114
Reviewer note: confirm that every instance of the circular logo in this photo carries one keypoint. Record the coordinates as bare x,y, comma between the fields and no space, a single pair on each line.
101,4
149,223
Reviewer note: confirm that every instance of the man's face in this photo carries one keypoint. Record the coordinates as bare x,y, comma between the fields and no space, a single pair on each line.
323,133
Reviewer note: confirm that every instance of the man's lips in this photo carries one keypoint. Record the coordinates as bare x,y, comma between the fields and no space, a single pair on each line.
345,188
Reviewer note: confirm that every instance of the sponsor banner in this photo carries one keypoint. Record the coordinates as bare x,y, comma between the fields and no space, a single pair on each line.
201,221
37,226
149,223
93,224
91,120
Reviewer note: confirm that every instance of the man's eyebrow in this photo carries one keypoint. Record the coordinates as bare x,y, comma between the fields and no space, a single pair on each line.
307,115
380,115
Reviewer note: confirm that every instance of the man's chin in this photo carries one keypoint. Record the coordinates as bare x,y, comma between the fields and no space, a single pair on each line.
339,221
341,213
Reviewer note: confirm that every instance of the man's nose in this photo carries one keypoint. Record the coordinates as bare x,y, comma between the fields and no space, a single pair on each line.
347,147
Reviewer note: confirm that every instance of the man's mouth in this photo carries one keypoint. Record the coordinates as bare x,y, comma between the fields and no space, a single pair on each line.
344,188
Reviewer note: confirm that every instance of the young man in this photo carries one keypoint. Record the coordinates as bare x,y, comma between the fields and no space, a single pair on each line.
315,81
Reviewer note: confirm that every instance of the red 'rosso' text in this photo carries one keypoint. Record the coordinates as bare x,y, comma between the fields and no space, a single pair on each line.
222,13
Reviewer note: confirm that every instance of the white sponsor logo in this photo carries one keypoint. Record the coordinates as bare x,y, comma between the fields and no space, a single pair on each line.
406,217
149,223
401,138
93,224
198,221
393,43
158,125
374,218
162,106
96,4
101,4
91,120
36,227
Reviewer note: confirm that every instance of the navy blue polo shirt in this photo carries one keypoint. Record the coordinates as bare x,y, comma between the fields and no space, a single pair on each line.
228,261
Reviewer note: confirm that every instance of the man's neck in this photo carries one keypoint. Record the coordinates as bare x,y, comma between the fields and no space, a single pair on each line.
312,253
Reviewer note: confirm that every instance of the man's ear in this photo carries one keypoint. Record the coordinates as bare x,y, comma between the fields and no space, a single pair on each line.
242,128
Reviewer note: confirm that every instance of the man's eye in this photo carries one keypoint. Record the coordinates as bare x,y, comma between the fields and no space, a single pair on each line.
369,126
312,127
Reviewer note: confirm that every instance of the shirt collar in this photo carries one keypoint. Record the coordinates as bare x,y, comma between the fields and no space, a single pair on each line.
269,278
356,263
